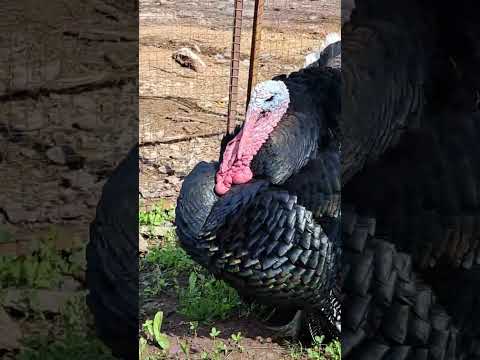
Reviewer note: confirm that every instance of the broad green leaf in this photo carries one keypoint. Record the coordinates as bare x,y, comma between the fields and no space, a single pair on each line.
163,341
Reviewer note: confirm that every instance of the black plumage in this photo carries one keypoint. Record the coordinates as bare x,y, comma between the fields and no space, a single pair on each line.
112,259
276,239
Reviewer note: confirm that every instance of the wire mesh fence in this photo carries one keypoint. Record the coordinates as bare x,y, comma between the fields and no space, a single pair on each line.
291,29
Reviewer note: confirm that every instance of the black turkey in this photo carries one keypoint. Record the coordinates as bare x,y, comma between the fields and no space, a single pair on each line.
266,217
112,260
289,143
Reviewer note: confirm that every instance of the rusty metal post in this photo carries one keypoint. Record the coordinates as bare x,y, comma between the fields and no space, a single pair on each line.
255,48
234,66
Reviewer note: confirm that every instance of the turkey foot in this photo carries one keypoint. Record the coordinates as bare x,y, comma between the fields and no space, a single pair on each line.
291,329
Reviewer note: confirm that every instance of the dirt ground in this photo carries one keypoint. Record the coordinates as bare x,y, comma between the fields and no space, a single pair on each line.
64,62
183,113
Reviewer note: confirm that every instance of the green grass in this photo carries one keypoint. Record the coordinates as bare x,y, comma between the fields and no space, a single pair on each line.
71,346
164,264
206,299
160,214
322,351
73,338
318,351
67,335
203,299
44,268
170,257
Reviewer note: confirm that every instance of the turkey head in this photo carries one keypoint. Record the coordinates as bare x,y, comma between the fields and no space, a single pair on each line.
269,102
281,132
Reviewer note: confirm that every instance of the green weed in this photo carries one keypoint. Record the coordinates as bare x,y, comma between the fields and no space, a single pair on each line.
44,268
295,350
159,215
237,338
164,264
206,299
170,257
153,329
75,342
220,349
185,348
321,351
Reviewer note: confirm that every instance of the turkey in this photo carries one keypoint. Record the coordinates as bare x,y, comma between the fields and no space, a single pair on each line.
230,216
112,260
292,128
389,309
256,219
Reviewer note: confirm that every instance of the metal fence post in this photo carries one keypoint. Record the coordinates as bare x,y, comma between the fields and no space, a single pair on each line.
255,48
234,67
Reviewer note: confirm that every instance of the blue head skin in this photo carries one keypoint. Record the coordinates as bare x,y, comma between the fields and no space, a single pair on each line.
268,96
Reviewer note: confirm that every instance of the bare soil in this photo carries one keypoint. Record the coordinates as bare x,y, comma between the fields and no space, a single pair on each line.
65,62
183,116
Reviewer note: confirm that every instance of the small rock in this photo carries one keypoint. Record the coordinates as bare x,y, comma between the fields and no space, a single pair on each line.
28,153
187,58
79,179
227,54
169,170
40,300
220,59
65,155
142,244
10,330
70,284
69,211
196,48
57,155
173,180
